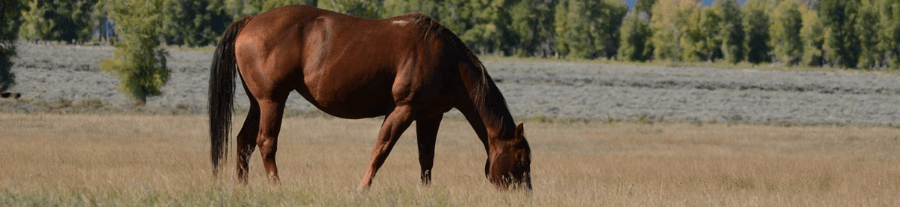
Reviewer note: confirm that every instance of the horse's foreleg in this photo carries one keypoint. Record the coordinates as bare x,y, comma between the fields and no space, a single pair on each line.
426,132
269,126
246,140
394,125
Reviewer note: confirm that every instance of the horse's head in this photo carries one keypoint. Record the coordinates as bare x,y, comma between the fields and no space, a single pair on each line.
509,164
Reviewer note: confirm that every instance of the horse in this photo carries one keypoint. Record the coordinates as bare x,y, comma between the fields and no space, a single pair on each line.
406,68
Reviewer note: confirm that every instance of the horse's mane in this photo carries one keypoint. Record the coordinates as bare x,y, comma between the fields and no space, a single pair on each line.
431,29
485,95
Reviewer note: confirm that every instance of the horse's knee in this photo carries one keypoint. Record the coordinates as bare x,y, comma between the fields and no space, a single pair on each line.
266,146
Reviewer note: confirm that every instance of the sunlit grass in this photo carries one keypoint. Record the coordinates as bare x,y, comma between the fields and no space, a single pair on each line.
164,160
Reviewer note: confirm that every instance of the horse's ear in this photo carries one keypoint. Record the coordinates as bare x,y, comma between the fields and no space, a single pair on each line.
520,131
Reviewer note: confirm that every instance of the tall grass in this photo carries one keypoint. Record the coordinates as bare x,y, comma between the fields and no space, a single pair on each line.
164,160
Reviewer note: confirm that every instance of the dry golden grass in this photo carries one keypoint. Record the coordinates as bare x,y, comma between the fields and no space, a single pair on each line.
163,160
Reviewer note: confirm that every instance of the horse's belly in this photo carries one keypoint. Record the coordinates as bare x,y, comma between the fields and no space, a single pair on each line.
355,109
352,99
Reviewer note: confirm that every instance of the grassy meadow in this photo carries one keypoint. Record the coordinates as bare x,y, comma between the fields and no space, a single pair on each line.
163,160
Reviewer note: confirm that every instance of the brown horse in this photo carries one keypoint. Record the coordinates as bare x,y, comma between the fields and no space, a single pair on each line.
407,68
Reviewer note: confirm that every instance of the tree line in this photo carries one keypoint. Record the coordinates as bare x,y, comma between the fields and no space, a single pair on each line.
836,33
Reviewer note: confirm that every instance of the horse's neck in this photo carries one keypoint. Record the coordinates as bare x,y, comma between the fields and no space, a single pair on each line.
486,110
493,112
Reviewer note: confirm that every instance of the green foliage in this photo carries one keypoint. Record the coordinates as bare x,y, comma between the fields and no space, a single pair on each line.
61,20
785,32
201,22
635,33
756,26
240,8
138,61
398,7
732,30
360,8
455,16
80,27
851,33
9,20
524,17
611,16
669,24
702,39
644,6
532,28
635,36
587,28
35,26
194,22
572,29
487,30
560,25
842,46
271,4
889,34
235,8
813,35
866,25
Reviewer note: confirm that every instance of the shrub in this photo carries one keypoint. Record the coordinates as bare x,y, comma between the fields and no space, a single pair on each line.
138,61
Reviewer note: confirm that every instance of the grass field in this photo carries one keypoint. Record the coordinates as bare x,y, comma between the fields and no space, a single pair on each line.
116,160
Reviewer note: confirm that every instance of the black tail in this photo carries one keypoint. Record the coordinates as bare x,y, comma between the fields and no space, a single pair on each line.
221,93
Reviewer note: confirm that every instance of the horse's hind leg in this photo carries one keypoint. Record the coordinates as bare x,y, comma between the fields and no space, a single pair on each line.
246,139
394,125
426,132
271,112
